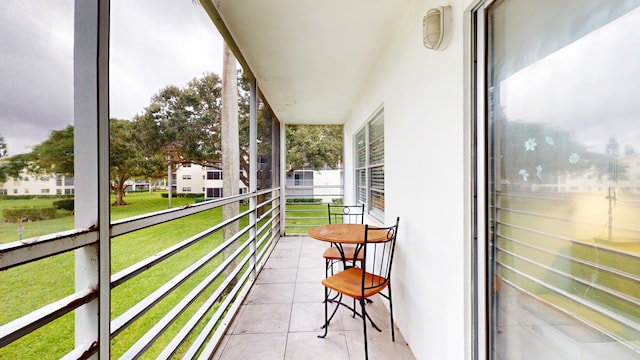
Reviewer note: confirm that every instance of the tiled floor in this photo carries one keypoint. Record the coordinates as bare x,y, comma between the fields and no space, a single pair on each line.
282,315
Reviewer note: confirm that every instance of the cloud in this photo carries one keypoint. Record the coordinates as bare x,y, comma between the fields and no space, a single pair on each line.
587,88
153,43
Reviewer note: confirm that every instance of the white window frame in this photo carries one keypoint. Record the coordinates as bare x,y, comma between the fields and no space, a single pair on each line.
367,167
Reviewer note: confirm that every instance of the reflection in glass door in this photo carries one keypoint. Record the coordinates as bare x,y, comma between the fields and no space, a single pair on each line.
564,179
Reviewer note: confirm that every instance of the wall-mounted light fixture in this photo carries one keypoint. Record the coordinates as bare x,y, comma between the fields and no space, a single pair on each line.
436,28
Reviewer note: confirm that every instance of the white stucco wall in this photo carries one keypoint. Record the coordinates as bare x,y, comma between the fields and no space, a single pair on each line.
422,92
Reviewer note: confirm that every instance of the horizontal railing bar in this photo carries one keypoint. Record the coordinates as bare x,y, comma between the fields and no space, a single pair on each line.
131,224
36,248
596,266
160,327
124,320
308,187
565,196
594,285
83,351
151,261
186,330
235,298
575,298
565,238
565,219
24,325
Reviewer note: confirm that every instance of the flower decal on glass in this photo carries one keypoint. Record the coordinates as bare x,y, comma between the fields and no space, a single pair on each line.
530,145
524,174
574,158
539,172
549,140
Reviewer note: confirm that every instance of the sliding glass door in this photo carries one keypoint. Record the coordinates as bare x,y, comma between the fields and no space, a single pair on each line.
563,163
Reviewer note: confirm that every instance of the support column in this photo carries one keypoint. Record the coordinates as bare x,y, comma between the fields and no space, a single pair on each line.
91,168
253,169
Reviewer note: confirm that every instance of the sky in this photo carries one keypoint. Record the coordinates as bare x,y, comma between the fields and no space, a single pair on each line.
590,87
153,44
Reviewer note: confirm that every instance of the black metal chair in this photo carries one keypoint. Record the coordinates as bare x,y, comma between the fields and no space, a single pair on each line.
362,283
343,214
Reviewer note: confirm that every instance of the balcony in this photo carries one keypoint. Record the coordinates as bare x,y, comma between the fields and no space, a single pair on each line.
281,316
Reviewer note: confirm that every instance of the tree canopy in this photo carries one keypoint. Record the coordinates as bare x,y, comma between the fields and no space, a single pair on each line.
182,125
314,146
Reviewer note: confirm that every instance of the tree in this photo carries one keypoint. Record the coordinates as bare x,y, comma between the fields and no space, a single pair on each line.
183,124
126,160
314,146
54,155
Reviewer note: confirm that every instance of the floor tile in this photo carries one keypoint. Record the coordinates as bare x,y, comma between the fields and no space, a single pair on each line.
255,346
271,293
307,345
263,318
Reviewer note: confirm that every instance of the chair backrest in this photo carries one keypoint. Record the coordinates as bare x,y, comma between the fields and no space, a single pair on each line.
345,214
378,255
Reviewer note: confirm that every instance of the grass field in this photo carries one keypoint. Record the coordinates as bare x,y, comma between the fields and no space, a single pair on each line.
28,287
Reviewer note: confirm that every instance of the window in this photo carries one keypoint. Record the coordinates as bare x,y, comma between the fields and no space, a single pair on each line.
214,175
15,191
58,180
186,177
369,176
214,192
186,189
44,178
558,263
68,191
26,191
3,191
45,191
68,181
59,191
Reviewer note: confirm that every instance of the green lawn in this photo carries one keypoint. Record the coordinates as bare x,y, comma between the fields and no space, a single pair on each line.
28,287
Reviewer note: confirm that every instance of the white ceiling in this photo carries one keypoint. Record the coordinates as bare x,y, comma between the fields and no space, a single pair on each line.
310,58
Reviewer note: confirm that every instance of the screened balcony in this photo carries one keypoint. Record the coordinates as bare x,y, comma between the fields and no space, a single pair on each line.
509,154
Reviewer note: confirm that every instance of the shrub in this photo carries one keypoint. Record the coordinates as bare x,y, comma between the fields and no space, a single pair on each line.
29,214
181,195
66,204
304,200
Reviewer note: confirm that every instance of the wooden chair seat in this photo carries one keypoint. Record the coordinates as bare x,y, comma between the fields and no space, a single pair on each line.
349,282
332,253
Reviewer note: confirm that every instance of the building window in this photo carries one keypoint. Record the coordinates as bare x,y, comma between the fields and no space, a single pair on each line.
26,191
58,180
186,189
214,175
68,191
44,178
15,191
59,191
45,191
3,191
369,172
186,177
214,192
68,181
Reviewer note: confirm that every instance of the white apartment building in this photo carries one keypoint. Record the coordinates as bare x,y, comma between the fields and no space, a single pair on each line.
34,184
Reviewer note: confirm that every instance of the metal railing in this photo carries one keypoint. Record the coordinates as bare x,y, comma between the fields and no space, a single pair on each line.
543,250
306,206
230,268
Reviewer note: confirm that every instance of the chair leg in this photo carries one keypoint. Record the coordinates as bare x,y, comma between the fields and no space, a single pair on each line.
393,332
326,320
364,327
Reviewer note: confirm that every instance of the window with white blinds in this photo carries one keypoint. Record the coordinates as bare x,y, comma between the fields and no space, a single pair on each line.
369,173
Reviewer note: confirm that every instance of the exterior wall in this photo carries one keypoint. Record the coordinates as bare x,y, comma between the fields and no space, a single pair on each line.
193,180
190,179
422,92
37,185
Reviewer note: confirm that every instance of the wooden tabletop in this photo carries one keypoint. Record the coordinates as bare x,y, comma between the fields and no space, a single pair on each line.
346,233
